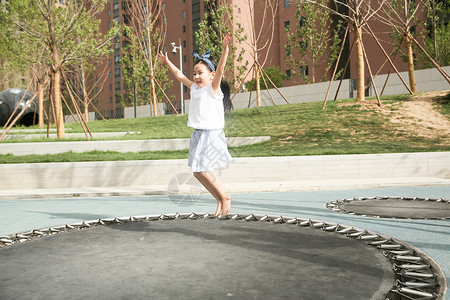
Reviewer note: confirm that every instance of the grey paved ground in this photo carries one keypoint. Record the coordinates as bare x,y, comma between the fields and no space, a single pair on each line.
430,236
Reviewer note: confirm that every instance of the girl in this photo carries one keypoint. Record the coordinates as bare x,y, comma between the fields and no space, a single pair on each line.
210,96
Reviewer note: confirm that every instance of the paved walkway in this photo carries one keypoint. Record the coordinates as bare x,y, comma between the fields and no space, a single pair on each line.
430,236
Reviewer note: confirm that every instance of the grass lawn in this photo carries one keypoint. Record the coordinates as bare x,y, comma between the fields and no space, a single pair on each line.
343,127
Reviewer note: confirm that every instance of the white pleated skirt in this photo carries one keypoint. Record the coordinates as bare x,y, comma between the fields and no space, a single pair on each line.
208,150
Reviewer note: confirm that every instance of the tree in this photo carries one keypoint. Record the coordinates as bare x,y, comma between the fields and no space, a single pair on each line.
70,33
438,39
218,21
315,40
145,31
359,13
273,73
85,83
401,15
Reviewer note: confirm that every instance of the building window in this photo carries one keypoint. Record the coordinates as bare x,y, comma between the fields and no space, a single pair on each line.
116,7
288,50
117,59
302,22
303,45
184,14
110,75
164,5
184,28
117,72
116,19
184,44
286,3
287,24
304,70
288,74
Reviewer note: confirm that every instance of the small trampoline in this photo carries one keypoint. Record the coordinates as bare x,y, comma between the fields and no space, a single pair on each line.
394,207
242,256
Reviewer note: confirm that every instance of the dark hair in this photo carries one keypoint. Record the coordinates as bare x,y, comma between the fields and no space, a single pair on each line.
224,87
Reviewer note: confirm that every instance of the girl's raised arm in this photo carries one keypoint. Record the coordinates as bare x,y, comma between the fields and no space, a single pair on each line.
175,71
221,66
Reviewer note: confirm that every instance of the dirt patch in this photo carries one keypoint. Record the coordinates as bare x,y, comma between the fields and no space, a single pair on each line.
416,116
420,117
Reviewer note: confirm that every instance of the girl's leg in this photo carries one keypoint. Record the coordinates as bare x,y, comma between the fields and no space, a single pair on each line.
216,189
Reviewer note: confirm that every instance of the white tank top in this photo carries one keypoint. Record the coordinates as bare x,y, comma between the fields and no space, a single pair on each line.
206,109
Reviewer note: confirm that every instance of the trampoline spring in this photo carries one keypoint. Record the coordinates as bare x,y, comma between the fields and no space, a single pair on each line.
164,217
412,266
380,242
292,221
407,258
318,225
368,237
390,246
345,230
6,241
356,234
108,220
416,284
278,220
402,252
304,223
263,218
22,237
236,216
85,224
417,274
416,293
331,228
250,217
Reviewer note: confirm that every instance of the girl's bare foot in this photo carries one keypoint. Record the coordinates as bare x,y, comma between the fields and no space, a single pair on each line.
219,208
226,205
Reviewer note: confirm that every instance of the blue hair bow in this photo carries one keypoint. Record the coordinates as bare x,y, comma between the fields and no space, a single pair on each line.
205,58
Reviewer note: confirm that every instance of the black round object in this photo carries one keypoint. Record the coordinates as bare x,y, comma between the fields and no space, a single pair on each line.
10,100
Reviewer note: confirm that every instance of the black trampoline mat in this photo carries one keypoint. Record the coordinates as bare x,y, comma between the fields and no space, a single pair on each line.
398,208
203,259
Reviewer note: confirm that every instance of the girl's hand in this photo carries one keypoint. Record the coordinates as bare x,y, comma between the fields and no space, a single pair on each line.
163,58
225,42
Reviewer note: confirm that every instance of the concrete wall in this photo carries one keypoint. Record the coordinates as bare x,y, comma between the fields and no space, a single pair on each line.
426,80
69,119
244,171
143,111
